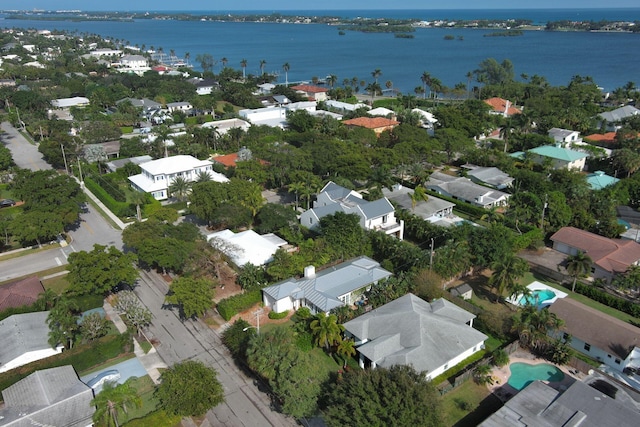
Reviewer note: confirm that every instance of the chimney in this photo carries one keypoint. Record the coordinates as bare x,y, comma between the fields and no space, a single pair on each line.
506,108
309,272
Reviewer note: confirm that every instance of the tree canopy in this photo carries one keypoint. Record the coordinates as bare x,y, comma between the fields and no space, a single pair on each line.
101,270
193,296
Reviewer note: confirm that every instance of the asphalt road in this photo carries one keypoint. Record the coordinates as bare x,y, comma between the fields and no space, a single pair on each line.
244,404
25,155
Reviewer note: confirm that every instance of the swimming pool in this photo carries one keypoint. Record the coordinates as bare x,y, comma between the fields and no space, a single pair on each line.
537,297
523,374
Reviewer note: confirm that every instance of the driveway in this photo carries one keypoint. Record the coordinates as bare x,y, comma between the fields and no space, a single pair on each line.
25,154
128,369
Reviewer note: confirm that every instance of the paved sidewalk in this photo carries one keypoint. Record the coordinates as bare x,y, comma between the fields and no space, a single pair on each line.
102,207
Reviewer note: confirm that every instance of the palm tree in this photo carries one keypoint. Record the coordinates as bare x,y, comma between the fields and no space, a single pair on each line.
180,188
578,265
224,61
375,74
286,67
296,188
506,273
419,90
426,81
63,322
469,78
138,198
492,215
203,176
373,89
534,326
111,400
262,64
326,329
332,80
389,84
346,349
243,64
419,194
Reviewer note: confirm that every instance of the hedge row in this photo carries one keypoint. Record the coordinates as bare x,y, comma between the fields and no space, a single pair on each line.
603,297
82,357
120,209
231,306
275,316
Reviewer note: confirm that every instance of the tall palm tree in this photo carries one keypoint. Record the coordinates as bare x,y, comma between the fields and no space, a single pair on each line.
375,74
296,188
346,349
262,64
492,215
203,176
332,80
578,265
373,89
179,188
138,198
111,400
286,67
506,273
243,64
425,78
419,195
224,61
326,329
469,78
535,326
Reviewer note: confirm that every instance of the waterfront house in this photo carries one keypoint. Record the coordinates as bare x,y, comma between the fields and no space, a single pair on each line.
466,190
609,256
321,291
48,397
614,119
430,336
502,107
383,112
560,158
311,92
158,175
376,124
25,339
377,215
597,335
136,64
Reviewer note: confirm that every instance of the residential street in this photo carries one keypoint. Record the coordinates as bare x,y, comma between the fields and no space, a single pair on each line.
193,340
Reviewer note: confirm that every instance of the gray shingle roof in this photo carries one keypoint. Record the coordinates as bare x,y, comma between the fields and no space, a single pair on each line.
23,333
491,176
619,114
51,397
412,331
424,209
329,284
464,189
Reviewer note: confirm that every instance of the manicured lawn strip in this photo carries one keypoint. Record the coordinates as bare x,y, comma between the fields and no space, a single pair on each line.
39,273
145,388
57,284
146,346
324,361
468,405
29,251
529,277
97,368
156,419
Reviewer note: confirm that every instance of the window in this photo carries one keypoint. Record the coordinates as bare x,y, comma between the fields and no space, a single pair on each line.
385,218
617,361
609,356
446,366
587,346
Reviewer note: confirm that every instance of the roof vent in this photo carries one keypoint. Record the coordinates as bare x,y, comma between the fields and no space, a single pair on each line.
309,272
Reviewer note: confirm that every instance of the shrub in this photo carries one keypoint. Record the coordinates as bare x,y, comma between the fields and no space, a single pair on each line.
273,315
231,306
121,209
609,300
304,341
500,358
462,206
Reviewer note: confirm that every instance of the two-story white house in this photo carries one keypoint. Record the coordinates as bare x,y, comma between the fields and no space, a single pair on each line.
182,106
376,215
158,175
136,64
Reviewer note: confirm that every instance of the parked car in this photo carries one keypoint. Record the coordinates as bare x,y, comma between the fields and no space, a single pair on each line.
7,203
111,375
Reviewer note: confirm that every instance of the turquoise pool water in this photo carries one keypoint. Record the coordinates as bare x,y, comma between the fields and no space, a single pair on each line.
523,374
537,297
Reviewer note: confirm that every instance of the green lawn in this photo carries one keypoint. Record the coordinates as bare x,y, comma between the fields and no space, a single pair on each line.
468,405
58,284
145,388
530,277
107,364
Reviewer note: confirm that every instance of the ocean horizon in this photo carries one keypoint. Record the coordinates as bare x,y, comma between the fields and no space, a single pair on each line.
319,50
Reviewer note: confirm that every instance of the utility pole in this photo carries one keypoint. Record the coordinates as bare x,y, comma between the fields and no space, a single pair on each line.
80,170
544,207
431,255
64,157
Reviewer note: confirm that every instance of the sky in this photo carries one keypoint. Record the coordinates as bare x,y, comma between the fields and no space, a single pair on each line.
281,5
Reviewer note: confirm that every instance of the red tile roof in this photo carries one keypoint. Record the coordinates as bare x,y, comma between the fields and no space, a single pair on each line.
20,293
612,255
499,105
607,138
371,122
229,160
310,88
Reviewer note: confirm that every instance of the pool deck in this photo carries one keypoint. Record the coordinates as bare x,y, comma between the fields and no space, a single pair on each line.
538,286
501,389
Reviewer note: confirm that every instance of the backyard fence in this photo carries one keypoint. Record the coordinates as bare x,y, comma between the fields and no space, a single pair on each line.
462,303
580,365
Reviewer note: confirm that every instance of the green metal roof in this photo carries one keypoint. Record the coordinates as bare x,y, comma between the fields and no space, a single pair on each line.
558,153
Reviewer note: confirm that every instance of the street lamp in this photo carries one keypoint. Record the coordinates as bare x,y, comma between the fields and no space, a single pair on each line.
257,313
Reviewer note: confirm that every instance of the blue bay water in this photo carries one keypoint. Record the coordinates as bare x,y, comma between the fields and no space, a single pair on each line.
318,50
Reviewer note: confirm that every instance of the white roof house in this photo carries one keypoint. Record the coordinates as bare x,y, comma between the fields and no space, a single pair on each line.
158,175
376,215
25,339
76,101
137,64
431,337
275,116
223,126
336,286
382,112
247,247
427,119
49,397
